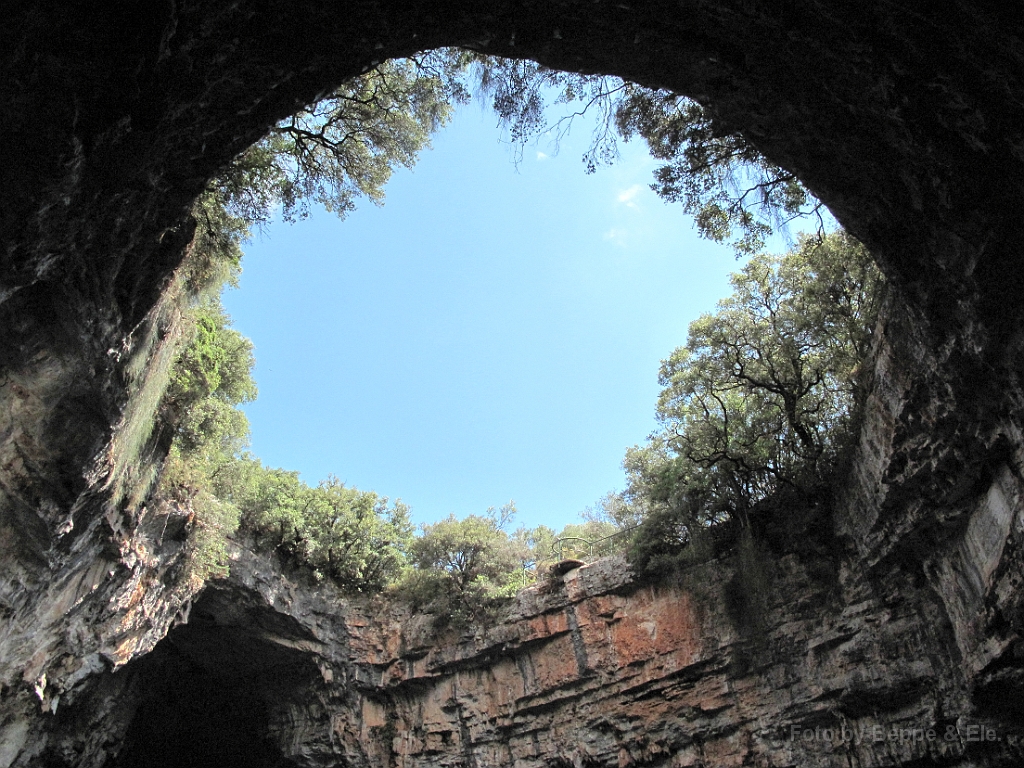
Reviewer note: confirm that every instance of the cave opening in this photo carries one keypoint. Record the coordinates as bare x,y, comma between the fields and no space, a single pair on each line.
206,695
196,716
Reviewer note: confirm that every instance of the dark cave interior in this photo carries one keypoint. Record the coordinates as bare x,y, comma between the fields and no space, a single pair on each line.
197,716
206,692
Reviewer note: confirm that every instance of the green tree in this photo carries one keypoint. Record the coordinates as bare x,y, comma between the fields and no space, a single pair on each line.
210,379
354,537
347,144
535,545
762,395
733,192
270,501
473,553
465,569
620,509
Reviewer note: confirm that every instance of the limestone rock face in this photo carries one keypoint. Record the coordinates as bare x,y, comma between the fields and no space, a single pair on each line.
877,631
874,632
828,668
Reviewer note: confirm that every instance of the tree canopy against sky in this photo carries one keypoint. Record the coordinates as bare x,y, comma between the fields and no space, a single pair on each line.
763,395
749,404
510,86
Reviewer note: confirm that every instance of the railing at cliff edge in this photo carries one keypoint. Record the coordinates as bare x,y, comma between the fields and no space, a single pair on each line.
563,549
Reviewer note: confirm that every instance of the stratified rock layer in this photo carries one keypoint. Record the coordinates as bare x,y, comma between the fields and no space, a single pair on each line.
858,631
827,668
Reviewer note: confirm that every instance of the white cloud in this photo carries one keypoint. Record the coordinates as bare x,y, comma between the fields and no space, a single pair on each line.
541,156
627,196
615,235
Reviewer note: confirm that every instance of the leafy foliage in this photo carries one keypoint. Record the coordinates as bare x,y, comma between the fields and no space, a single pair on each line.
733,192
209,380
212,377
619,510
750,404
763,394
353,537
346,145
519,91
471,553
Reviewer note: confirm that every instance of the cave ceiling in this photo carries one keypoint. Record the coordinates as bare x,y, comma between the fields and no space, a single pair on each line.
905,118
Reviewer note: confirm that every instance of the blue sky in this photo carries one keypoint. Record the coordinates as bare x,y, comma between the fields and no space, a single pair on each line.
493,332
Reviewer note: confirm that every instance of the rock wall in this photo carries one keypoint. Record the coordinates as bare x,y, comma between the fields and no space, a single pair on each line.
832,667
871,630
865,630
